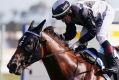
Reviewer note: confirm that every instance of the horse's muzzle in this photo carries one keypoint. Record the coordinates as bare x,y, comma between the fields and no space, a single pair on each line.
13,69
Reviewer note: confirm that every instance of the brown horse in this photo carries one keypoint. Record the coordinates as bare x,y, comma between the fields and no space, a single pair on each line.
59,60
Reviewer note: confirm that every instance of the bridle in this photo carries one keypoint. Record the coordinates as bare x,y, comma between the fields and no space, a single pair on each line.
27,50
34,33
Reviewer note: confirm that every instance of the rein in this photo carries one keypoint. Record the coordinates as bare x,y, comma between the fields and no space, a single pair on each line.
56,53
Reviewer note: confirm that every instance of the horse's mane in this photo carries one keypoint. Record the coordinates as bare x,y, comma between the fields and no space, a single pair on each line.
50,31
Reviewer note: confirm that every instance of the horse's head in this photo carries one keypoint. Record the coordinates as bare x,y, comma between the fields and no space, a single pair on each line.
28,50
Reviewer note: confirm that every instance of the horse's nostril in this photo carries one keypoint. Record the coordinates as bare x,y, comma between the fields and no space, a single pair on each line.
12,68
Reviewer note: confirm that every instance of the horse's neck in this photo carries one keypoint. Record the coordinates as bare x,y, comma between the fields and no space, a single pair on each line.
62,63
52,45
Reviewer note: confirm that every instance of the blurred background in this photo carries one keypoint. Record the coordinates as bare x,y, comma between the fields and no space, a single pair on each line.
15,17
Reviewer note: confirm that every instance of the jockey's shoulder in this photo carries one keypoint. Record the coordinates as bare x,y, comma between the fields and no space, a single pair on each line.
89,3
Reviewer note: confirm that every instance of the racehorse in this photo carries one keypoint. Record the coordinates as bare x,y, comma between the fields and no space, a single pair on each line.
60,61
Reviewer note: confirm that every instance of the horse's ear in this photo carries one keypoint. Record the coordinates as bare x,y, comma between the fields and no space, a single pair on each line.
40,26
31,26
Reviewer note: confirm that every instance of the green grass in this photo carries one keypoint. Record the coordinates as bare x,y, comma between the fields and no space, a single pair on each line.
10,77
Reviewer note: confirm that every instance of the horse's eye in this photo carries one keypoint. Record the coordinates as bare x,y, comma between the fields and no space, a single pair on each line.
29,46
30,41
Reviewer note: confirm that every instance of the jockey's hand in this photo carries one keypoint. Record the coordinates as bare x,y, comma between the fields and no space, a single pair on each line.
81,47
61,36
78,46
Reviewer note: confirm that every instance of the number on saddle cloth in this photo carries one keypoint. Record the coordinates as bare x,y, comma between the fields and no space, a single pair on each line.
91,55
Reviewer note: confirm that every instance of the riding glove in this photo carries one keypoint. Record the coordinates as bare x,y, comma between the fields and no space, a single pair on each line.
77,46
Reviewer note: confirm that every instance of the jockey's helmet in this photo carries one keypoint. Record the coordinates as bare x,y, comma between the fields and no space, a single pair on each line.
60,8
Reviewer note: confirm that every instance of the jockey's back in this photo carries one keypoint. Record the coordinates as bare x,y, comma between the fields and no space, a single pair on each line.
97,6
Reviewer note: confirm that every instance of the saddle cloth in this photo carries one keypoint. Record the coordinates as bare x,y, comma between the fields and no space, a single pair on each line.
92,56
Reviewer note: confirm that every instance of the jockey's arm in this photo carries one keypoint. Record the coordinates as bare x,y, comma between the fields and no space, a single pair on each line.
90,25
70,31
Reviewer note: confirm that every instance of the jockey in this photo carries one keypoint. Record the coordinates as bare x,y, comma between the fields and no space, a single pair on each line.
95,16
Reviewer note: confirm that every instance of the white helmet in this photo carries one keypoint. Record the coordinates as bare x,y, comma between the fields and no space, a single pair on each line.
59,8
